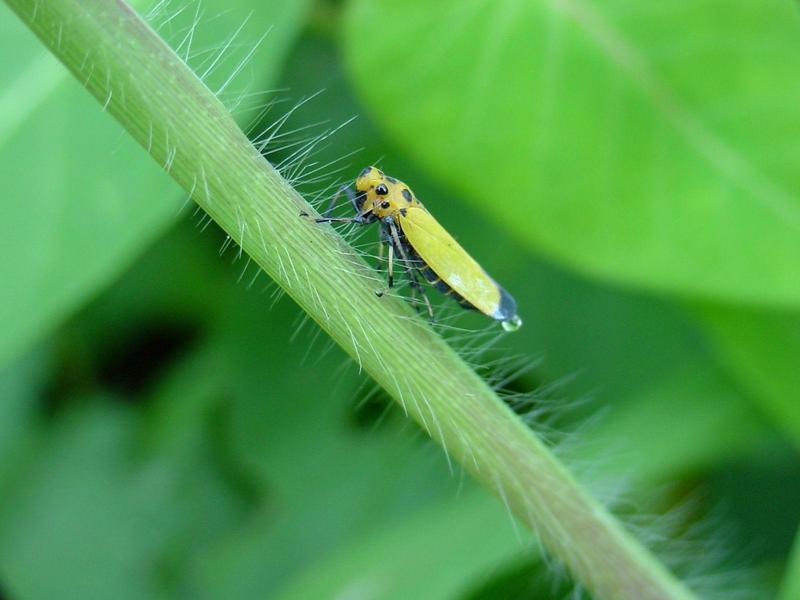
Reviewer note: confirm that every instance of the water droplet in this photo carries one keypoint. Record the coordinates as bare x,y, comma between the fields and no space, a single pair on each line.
512,324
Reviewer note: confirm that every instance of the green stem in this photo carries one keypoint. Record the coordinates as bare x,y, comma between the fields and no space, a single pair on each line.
171,113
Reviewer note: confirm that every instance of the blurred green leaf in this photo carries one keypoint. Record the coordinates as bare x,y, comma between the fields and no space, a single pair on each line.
102,519
75,518
439,553
693,421
22,382
761,349
638,145
790,589
88,200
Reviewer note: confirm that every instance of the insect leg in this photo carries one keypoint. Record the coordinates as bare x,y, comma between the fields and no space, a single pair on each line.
363,218
337,220
416,288
389,272
390,269
415,285
384,239
351,195
413,295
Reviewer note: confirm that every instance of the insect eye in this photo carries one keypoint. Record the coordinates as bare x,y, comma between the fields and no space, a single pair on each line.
381,190
384,205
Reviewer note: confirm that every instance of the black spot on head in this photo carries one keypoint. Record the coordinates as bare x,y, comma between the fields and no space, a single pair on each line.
365,171
391,179
385,205
407,194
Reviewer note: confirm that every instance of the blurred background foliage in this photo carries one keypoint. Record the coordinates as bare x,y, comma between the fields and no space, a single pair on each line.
171,427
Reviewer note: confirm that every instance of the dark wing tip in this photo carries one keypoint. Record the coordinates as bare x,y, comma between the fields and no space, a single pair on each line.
507,310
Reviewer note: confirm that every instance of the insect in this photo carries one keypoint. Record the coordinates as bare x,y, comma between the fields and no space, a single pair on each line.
423,247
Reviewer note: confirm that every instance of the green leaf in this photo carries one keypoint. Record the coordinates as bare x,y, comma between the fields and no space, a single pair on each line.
102,520
72,220
75,517
790,587
761,349
646,144
694,420
438,553
22,382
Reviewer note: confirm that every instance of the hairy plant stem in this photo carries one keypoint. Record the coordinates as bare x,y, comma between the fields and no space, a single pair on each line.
138,79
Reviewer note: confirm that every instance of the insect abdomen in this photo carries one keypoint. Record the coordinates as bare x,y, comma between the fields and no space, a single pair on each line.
443,287
431,277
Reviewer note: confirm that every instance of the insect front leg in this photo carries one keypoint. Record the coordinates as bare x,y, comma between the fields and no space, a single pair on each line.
362,218
351,196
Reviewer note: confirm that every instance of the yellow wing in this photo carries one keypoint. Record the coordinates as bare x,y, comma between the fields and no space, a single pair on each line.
453,265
